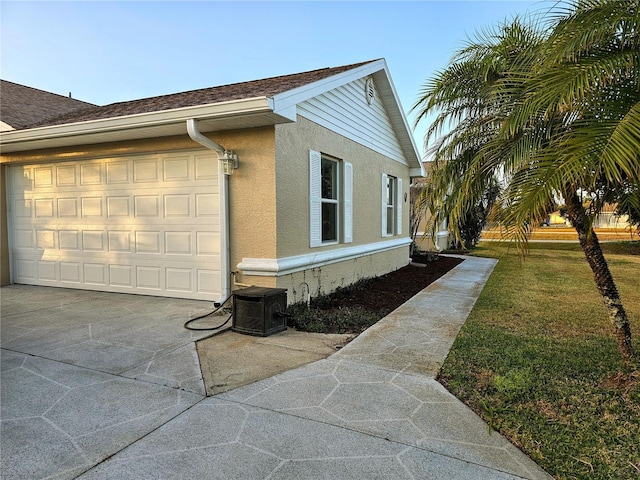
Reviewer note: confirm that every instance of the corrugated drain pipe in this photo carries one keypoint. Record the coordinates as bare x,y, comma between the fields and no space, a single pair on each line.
223,181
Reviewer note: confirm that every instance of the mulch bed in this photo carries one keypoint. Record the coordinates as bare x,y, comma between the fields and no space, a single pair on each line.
387,292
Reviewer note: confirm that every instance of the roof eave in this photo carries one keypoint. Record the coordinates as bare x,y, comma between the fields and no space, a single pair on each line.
83,132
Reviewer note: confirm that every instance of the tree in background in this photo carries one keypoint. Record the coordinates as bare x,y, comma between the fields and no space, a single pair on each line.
628,203
550,106
417,212
473,221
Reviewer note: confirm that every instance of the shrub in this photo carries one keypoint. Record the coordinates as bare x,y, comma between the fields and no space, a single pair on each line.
341,320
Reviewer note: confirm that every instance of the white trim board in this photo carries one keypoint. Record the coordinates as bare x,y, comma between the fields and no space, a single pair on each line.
277,267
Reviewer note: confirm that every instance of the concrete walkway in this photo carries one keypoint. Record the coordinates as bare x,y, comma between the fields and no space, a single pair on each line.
372,410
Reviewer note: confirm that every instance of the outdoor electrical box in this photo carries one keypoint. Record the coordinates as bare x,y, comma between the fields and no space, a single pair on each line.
259,311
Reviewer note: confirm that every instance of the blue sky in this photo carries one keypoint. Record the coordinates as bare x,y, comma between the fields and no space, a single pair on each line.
106,52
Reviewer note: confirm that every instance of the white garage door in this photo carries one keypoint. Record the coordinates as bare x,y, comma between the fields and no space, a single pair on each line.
143,224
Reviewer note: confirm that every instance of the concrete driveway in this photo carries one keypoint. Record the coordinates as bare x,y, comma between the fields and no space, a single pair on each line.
108,386
85,374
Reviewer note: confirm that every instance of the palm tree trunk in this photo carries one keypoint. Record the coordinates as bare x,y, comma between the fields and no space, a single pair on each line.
602,275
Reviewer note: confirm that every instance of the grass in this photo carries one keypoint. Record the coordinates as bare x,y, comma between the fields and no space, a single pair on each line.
537,359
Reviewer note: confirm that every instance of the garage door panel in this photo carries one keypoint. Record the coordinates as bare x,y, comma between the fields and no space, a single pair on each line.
145,170
148,242
177,206
208,282
117,207
47,271
177,168
122,276
149,278
66,176
44,208
91,206
117,172
205,169
21,208
119,241
23,239
43,177
45,239
70,273
25,270
20,178
68,208
147,224
91,174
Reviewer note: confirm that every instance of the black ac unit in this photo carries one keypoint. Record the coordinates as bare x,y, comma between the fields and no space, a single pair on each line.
259,311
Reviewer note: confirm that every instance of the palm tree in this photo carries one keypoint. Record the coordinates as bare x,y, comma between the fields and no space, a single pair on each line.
551,107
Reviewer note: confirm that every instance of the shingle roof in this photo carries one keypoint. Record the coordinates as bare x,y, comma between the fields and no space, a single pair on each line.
205,96
21,105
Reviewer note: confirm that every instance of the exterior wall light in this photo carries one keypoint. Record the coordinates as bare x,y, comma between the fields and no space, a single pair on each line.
229,162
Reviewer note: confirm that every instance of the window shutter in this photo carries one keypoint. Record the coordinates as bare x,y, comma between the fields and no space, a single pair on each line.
348,202
315,199
384,204
399,207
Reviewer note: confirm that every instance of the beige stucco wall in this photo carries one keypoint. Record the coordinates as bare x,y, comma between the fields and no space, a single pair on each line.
293,142
252,202
424,238
425,242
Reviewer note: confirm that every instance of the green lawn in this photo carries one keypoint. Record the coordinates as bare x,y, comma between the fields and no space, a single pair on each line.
537,359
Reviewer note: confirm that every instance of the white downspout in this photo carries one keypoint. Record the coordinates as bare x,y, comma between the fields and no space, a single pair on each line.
223,183
196,136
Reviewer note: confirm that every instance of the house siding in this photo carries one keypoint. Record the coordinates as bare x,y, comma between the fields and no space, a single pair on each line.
345,110
293,142
252,201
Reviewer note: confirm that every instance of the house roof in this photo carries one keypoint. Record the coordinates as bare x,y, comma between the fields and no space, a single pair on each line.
256,103
21,106
268,87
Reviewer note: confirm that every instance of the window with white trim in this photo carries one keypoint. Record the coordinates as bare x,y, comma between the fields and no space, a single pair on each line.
331,194
391,205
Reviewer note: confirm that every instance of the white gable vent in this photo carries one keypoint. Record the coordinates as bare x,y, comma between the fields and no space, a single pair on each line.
369,91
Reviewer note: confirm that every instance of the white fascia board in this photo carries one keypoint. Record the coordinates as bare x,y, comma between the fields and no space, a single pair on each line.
290,98
149,119
276,267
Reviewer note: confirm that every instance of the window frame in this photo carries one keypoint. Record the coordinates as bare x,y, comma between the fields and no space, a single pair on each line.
343,188
392,197
391,205
336,190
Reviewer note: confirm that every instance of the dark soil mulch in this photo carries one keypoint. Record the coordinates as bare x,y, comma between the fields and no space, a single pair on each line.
353,309
388,292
